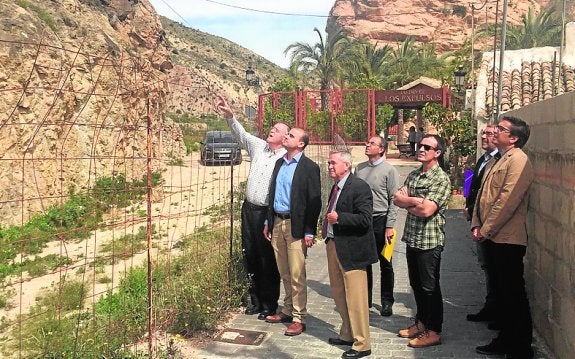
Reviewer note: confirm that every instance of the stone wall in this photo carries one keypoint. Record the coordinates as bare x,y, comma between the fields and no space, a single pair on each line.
550,261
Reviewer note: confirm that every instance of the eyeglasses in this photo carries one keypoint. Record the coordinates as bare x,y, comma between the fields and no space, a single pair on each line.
488,133
427,147
503,128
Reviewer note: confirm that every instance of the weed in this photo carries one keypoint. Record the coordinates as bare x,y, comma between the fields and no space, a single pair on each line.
127,245
74,219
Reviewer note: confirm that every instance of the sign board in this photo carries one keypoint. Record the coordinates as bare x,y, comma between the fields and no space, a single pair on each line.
415,97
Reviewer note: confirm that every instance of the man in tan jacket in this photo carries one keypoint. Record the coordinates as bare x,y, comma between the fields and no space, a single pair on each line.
499,219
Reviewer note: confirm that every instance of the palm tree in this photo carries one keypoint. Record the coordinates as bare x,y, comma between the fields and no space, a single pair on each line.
534,31
364,62
320,59
405,63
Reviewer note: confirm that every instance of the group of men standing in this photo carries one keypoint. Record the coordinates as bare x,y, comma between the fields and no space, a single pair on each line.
280,216
497,209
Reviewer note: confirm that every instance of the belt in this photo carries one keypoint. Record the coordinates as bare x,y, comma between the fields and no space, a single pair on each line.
254,206
328,239
283,215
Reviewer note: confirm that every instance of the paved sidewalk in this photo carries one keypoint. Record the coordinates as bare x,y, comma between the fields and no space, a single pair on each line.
463,288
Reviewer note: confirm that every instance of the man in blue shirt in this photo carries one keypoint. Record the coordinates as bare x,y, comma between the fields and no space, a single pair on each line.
295,204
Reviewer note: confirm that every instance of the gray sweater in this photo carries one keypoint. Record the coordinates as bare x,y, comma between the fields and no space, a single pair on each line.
383,179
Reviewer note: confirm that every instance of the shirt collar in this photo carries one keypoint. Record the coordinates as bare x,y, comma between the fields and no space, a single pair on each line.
342,181
295,158
492,153
373,164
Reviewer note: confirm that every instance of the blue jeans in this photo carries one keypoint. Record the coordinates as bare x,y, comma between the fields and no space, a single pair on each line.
423,268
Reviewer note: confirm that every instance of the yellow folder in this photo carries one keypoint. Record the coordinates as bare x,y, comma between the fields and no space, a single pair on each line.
387,250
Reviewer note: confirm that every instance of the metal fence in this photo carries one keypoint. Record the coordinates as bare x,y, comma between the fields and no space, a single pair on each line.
99,200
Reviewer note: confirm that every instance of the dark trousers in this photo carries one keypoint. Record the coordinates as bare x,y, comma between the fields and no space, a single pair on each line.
259,259
505,261
490,303
423,269
385,267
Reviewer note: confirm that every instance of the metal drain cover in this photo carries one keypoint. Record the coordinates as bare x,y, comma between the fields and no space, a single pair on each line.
241,336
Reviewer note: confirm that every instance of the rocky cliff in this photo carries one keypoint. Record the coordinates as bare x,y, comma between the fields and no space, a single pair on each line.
446,23
79,80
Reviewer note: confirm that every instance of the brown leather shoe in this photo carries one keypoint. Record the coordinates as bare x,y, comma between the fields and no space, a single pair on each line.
279,318
296,328
426,339
412,331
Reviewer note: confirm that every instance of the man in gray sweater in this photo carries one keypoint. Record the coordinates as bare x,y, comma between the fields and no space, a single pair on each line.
383,179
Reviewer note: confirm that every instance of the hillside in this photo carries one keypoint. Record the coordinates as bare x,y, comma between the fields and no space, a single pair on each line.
79,78
206,65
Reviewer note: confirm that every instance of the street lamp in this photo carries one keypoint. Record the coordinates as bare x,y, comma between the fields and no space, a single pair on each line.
459,75
251,78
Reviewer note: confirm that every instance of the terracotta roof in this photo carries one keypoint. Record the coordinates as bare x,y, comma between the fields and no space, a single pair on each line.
527,78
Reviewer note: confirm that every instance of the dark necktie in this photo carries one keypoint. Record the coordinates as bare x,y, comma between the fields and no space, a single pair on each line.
486,157
332,198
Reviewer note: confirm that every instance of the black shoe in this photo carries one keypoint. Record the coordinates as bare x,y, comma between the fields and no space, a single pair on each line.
494,326
264,313
352,353
523,354
482,316
337,341
493,348
386,310
252,309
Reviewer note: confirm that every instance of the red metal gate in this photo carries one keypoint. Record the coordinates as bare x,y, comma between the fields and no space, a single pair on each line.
329,116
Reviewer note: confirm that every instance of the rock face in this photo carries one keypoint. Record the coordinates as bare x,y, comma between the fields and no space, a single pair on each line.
446,23
79,80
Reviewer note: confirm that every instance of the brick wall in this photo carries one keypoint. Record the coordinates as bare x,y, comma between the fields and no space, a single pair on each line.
550,261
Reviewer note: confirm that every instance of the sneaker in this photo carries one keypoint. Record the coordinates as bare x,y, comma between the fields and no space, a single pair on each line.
412,331
425,339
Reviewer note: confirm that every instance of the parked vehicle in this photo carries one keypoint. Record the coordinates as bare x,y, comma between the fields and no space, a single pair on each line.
220,147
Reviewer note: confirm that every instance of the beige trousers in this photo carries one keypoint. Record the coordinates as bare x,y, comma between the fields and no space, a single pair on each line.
290,257
349,291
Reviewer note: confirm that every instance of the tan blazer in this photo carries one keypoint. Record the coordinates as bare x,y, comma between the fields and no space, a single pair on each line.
501,206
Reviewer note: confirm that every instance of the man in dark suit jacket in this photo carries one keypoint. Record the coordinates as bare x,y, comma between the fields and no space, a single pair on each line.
294,206
350,246
487,313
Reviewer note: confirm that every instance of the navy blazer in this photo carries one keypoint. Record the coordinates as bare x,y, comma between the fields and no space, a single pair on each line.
353,233
305,197
476,183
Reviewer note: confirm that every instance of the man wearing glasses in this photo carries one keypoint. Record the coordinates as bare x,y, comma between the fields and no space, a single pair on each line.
499,219
383,179
425,196
491,155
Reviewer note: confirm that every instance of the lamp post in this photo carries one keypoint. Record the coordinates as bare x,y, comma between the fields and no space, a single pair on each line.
459,75
251,78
